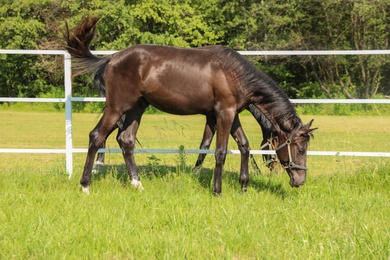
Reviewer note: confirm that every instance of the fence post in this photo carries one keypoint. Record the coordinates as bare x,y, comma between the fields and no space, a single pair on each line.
68,114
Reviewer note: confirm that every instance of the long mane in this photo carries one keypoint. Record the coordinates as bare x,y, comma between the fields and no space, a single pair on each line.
261,89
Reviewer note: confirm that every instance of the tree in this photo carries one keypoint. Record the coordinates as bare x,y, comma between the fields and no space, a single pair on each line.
242,25
20,31
347,25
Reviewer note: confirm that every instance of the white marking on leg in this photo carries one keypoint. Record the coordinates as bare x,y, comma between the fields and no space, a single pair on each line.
137,184
97,166
85,190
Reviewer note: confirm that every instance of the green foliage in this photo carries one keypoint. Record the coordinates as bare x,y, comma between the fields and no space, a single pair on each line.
168,23
242,25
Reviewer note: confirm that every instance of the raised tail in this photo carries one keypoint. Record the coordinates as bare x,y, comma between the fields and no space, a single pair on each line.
78,43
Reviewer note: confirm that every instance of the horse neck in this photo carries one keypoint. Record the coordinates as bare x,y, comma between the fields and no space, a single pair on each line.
281,120
266,126
289,124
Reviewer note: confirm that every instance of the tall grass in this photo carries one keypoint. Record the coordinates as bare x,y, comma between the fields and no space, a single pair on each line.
343,210
332,216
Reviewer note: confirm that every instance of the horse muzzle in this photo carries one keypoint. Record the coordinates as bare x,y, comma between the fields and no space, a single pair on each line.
297,177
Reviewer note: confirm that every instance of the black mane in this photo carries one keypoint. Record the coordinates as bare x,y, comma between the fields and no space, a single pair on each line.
260,87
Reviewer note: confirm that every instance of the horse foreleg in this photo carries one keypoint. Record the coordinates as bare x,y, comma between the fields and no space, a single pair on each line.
96,139
238,134
127,139
208,134
225,120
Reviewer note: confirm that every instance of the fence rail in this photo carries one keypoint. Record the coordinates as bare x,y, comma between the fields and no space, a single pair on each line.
102,99
68,99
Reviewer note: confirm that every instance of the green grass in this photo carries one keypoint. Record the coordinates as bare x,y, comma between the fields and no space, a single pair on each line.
343,210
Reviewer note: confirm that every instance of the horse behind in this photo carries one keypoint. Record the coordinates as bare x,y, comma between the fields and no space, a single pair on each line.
214,81
269,143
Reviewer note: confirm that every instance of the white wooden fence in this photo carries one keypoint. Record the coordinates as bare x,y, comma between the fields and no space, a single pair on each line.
68,99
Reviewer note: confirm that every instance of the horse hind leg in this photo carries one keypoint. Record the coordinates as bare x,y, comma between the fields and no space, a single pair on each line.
96,140
126,140
99,163
208,135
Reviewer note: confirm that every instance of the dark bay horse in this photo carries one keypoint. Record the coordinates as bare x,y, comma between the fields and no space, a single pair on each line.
205,143
214,81
267,129
270,138
269,141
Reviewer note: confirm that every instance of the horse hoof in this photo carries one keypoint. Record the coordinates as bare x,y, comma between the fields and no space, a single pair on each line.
85,190
137,184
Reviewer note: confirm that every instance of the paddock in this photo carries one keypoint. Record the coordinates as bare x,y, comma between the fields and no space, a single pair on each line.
342,211
69,150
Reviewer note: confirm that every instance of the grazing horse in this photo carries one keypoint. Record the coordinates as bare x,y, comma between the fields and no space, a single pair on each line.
208,134
271,160
205,144
270,139
266,128
214,81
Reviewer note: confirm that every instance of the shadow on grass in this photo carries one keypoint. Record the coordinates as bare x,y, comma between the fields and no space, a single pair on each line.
256,181
148,171
204,176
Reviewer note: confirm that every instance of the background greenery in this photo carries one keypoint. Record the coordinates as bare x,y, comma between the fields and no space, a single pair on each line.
242,25
342,211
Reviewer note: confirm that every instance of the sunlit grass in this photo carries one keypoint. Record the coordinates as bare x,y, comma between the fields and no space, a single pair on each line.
45,215
341,212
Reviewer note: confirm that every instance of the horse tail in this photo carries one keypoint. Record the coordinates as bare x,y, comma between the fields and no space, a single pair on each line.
78,45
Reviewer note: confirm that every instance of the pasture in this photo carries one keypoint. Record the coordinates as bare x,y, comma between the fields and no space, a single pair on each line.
343,210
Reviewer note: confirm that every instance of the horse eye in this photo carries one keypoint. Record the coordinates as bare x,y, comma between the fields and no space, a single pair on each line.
301,151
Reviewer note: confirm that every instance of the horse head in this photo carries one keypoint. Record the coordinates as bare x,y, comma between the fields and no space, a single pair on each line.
292,151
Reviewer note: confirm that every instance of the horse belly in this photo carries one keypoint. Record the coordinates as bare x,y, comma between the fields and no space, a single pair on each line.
181,102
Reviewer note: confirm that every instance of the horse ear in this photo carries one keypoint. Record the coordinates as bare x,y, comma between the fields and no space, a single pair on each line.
308,132
308,125
311,131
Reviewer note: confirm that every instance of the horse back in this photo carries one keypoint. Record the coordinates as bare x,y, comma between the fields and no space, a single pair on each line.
175,80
